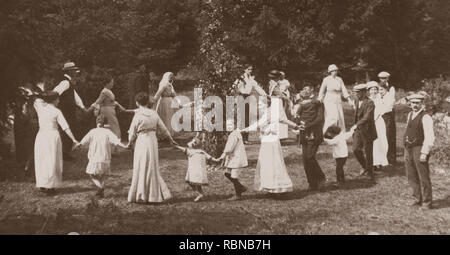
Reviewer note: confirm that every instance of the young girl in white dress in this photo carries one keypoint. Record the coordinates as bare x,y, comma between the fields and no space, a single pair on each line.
196,175
47,147
100,140
380,145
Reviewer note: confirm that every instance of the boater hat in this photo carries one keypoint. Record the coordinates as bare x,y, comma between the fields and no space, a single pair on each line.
383,75
359,87
70,66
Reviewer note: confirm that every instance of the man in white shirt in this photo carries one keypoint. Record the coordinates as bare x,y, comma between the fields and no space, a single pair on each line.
387,93
418,141
68,101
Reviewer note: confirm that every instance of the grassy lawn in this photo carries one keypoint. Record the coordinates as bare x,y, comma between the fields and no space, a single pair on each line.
357,208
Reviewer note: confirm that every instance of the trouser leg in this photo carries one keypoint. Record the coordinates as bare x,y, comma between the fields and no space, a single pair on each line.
412,174
340,162
358,147
423,171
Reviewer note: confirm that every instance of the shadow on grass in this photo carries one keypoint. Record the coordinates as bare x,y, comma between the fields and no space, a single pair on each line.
441,203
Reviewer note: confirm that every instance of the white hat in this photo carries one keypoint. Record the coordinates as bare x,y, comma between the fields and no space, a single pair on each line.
332,68
70,66
360,87
383,75
372,84
415,97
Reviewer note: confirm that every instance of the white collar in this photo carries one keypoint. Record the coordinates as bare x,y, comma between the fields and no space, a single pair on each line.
68,77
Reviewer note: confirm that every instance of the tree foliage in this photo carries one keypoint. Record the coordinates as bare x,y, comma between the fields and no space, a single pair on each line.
408,38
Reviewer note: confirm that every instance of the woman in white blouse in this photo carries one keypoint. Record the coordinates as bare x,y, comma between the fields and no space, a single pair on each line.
48,148
331,93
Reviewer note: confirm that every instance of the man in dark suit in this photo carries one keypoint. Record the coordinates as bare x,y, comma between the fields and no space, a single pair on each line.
365,132
311,117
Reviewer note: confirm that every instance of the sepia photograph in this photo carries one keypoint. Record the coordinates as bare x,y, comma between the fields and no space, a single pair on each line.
196,118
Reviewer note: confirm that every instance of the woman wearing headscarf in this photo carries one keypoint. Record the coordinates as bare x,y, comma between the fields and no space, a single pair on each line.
164,96
331,93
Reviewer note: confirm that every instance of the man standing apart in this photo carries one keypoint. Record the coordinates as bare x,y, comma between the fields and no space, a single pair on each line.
68,101
365,132
418,141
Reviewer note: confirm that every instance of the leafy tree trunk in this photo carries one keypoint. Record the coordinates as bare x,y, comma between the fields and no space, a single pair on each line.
220,67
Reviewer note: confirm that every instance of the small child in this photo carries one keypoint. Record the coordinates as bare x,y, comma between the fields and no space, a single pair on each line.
196,175
99,155
235,159
333,136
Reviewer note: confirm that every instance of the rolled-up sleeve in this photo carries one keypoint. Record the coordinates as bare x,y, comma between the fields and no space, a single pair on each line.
78,100
61,87
428,141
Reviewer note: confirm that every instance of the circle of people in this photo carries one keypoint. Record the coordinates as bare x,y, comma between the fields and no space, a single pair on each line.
316,119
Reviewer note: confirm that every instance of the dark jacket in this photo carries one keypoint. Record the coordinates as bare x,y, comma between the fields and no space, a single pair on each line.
312,113
364,119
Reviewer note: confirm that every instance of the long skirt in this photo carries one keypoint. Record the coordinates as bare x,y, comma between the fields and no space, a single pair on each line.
48,159
165,112
271,174
380,145
147,184
110,113
334,113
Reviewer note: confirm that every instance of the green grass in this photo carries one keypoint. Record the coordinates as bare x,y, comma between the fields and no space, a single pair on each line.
358,208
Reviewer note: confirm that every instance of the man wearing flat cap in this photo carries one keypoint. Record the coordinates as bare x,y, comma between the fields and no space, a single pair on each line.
387,93
365,132
418,141
68,101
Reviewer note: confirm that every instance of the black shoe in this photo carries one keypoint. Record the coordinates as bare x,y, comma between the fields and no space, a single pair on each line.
426,206
100,193
415,204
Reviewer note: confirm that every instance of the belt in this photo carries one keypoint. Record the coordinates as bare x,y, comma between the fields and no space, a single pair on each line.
143,131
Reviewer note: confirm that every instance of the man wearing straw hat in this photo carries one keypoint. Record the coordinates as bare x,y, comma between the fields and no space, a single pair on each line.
365,132
418,141
68,101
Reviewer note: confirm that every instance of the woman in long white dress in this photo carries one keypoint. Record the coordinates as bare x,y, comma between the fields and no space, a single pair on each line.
331,93
271,174
147,184
380,145
48,148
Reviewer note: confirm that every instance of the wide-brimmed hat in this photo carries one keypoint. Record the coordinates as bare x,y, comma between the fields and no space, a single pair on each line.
372,84
383,75
332,68
70,66
360,87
